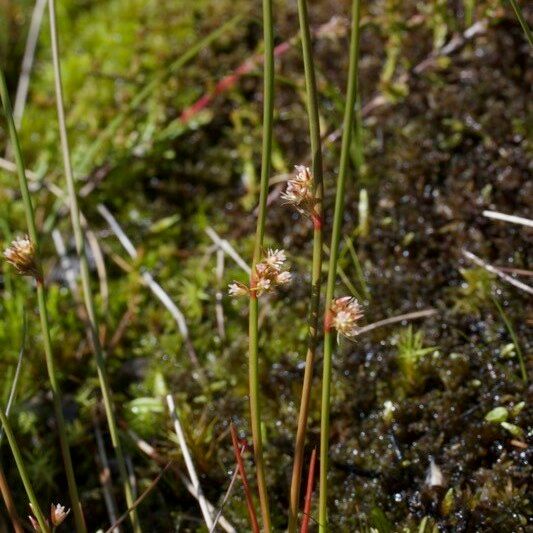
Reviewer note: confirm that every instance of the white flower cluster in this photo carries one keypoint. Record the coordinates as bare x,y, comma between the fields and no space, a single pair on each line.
268,274
344,314
21,254
299,191
58,513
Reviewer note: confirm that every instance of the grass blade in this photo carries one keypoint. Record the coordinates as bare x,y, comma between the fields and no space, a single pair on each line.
139,500
16,377
253,325
188,462
316,268
43,310
333,259
23,472
522,20
84,269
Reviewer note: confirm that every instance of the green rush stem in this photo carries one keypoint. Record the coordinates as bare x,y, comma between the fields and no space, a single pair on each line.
85,275
23,472
522,20
351,92
255,403
316,269
43,312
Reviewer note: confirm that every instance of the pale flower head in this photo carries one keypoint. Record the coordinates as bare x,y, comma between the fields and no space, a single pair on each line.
345,313
267,274
299,191
21,254
237,289
261,269
283,278
58,514
263,285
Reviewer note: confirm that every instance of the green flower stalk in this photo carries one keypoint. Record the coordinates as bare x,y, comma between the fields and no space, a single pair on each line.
315,210
85,275
41,520
329,333
30,266
253,324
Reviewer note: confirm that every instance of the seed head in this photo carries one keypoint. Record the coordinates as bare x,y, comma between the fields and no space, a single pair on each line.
299,191
345,312
21,254
58,514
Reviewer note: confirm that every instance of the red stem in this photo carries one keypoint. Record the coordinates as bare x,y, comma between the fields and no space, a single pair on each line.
317,221
309,493
229,81
242,472
328,321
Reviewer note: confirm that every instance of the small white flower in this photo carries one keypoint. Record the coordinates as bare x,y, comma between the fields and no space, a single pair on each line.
263,285
275,258
267,274
283,277
345,313
58,514
237,289
299,191
261,269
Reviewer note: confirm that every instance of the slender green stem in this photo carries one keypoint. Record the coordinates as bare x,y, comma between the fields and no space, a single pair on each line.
23,473
316,269
85,274
255,402
522,20
333,258
512,333
43,312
